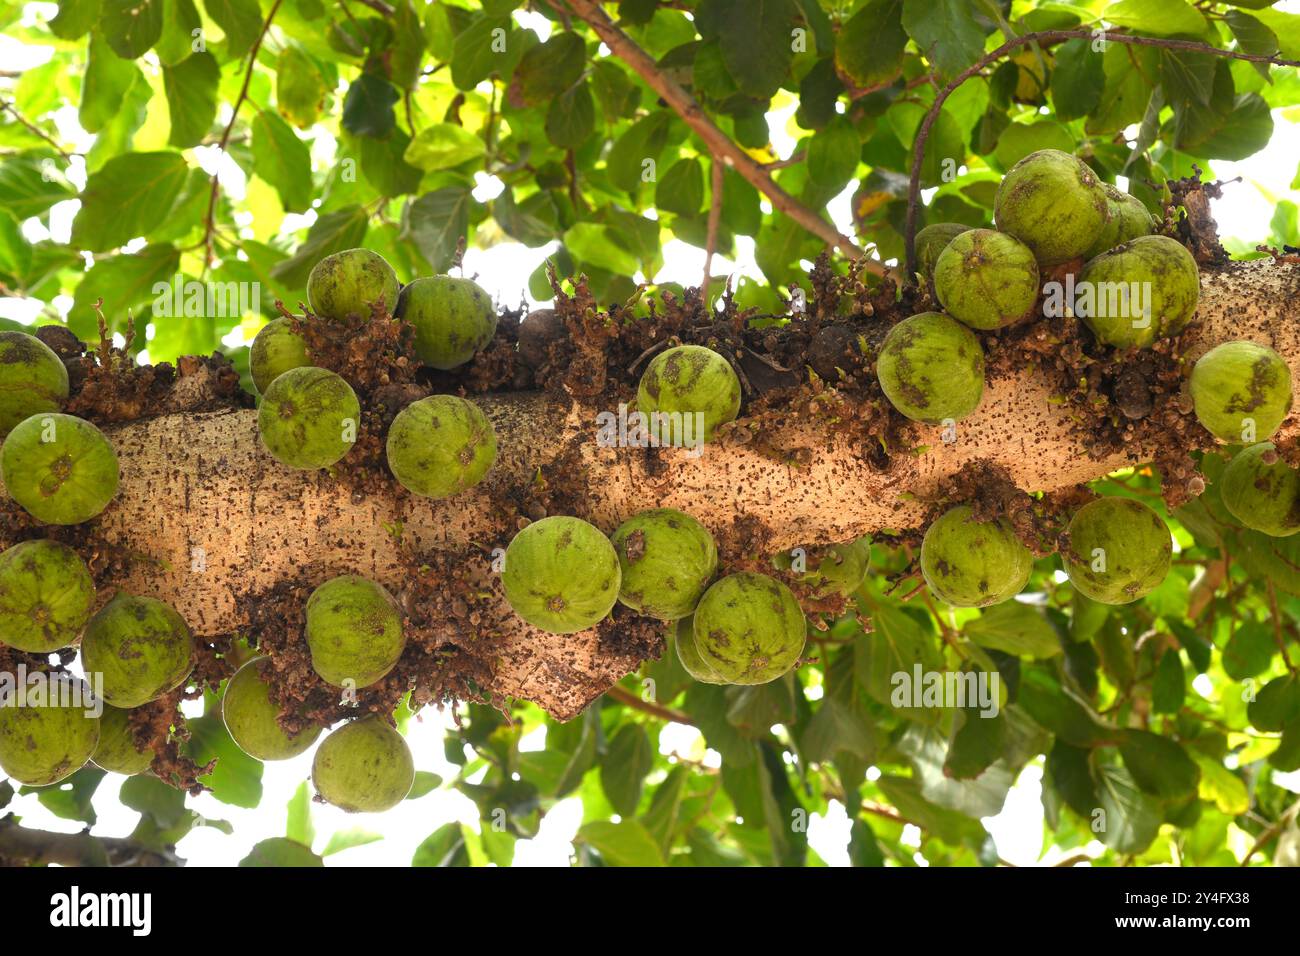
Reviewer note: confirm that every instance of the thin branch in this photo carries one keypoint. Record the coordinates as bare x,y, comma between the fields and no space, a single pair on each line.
625,696
715,219
1271,833
378,6
720,145
210,222
42,847
13,110
1044,36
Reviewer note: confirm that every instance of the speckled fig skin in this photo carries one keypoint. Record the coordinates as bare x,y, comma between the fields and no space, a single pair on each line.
1262,491
441,445
46,596
986,279
276,349
364,767
838,570
749,629
250,717
1137,549
453,319
970,563
931,368
561,575
41,745
931,241
689,379
354,631
1241,392
667,559
1129,219
1053,203
350,283
1157,262
60,468
117,751
33,379
141,646
304,418
688,654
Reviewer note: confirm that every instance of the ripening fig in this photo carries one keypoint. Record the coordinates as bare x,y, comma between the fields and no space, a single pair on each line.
46,596
1138,292
561,575
309,418
250,717
932,240
931,368
1129,219
453,319
33,379
1241,392
686,392
60,468
1120,550
1262,491
1053,203
141,646
986,279
688,654
276,349
971,563
364,767
749,628
118,751
441,445
351,283
43,742
667,559
354,631
840,569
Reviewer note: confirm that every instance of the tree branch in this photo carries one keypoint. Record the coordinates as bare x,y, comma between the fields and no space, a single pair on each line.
13,111
210,221
42,847
715,219
720,145
1042,36
625,696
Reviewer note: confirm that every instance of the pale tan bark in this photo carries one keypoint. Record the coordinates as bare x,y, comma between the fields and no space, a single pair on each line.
202,481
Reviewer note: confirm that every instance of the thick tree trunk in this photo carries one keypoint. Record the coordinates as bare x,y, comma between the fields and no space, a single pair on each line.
201,481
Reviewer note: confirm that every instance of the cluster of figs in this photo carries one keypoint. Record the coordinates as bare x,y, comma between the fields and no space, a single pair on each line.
1056,219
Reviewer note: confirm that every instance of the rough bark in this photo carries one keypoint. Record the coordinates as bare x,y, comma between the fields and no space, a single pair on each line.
202,481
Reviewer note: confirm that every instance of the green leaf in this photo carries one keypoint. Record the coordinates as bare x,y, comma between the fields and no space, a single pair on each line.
626,843
368,106
191,88
123,282
660,820
31,184
597,245
898,645
1159,17
1131,819
1078,79
298,825
758,56
1221,786
127,198
180,20
281,851
945,31
436,222
975,743
1018,140
1249,651
833,154
1056,709
1159,765
869,47
283,160
485,47
1276,704
571,117
300,90
1015,628
131,27
623,769
1246,130
75,18
240,21
237,777
681,190
347,839
104,87
71,799
630,157
425,783
949,825
151,797
335,231
547,70
443,146
444,847
1169,688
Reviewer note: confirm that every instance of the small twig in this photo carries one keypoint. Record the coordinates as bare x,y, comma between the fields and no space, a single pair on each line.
715,219
210,221
625,696
378,6
1271,834
1045,36
13,110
